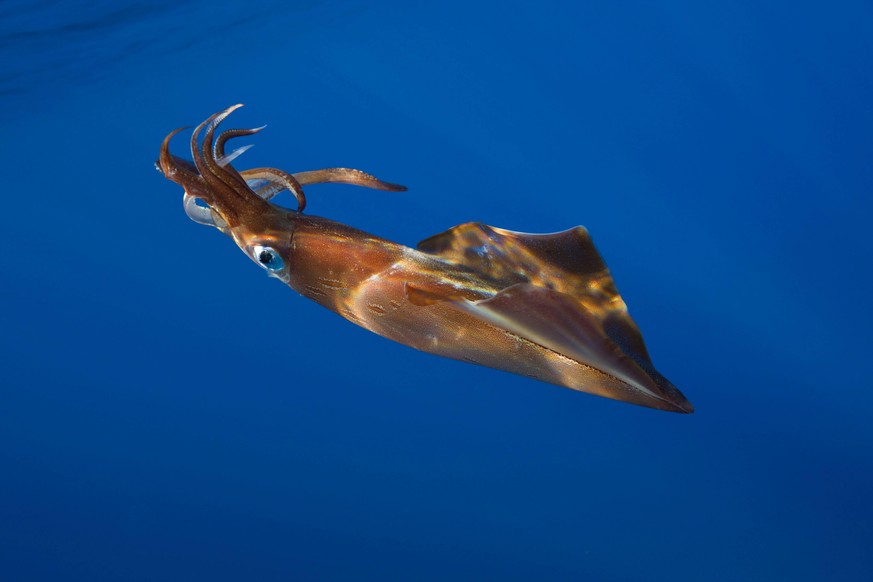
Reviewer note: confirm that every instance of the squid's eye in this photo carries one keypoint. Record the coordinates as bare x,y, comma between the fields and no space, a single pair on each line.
268,258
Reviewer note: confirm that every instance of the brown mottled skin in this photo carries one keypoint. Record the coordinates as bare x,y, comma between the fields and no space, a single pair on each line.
543,306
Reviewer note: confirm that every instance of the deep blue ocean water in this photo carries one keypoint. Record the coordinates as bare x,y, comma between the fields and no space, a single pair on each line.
167,412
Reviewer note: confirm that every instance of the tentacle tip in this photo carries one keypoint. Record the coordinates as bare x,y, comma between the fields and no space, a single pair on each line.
166,142
165,163
229,110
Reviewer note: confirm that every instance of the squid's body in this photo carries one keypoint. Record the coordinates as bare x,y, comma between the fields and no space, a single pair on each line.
543,306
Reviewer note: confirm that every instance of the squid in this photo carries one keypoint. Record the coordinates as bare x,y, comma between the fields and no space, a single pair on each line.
539,305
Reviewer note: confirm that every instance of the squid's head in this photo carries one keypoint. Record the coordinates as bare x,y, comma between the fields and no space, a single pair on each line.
236,203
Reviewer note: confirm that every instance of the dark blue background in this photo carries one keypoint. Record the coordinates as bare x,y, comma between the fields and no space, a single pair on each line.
169,413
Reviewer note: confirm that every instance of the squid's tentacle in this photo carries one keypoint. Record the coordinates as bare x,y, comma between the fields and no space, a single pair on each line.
277,181
228,158
218,148
346,176
229,195
207,154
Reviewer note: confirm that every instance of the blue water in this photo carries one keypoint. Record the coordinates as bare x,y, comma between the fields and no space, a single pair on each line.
167,412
